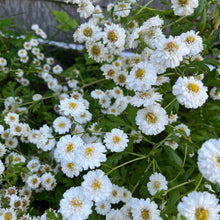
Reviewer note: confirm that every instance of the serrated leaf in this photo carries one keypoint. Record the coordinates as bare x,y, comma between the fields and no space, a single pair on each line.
216,17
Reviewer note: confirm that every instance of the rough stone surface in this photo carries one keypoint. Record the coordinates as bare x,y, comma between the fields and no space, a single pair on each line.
28,12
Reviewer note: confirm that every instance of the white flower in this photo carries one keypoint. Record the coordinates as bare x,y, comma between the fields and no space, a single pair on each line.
48,181
184,7
96,51
71,106
22,53
2,150
11,118
70,167
142,209
75,205
66,147
199,206
87,31
184,128
33,165
90,155
103,207
83,117
209,160
114,214
33,181
146,98
193,42
85,8
169,52
34,42
62,125
116,194
8,213
37,97
152,119
57,69
114,36
157,183
171,143
2,167
96,185
190,92
215,95
116,140
142,77
3,62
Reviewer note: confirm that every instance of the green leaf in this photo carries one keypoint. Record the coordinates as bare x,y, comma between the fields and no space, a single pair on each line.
202,23
173,158
66,23
216,17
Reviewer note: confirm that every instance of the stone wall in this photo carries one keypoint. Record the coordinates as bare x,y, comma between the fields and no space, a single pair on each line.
28,12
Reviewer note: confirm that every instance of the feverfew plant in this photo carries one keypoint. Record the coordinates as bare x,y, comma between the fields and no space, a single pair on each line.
128,129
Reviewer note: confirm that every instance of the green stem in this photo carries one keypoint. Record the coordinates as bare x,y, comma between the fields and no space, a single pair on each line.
170,103
197,186
138,182
177,186
174,22
130,161
184,160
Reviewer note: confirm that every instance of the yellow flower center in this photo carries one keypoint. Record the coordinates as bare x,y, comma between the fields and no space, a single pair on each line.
62,124
18,129
218,160
193,87
102,206
12,118
76,203
34,181
96,185
8,216
70,147
145,214
171,47
17,159
139,73
121,78
122,6
116,139
156,185
95,50
88,32
72,105
182,2
202,214
112,36
150,117
111,73
89,151
114,193
190,39
70,166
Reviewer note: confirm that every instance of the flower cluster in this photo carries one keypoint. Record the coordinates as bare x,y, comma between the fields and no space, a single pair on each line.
113,136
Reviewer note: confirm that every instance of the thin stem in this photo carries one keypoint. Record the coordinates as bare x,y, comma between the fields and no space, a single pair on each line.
177,186
174,22
130,161
170,103
184,160
138,182
197,186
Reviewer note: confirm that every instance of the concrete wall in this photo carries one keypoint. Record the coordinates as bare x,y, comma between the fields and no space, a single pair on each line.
28,12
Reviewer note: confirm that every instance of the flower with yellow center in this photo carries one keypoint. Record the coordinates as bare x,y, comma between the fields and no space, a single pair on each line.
199,206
